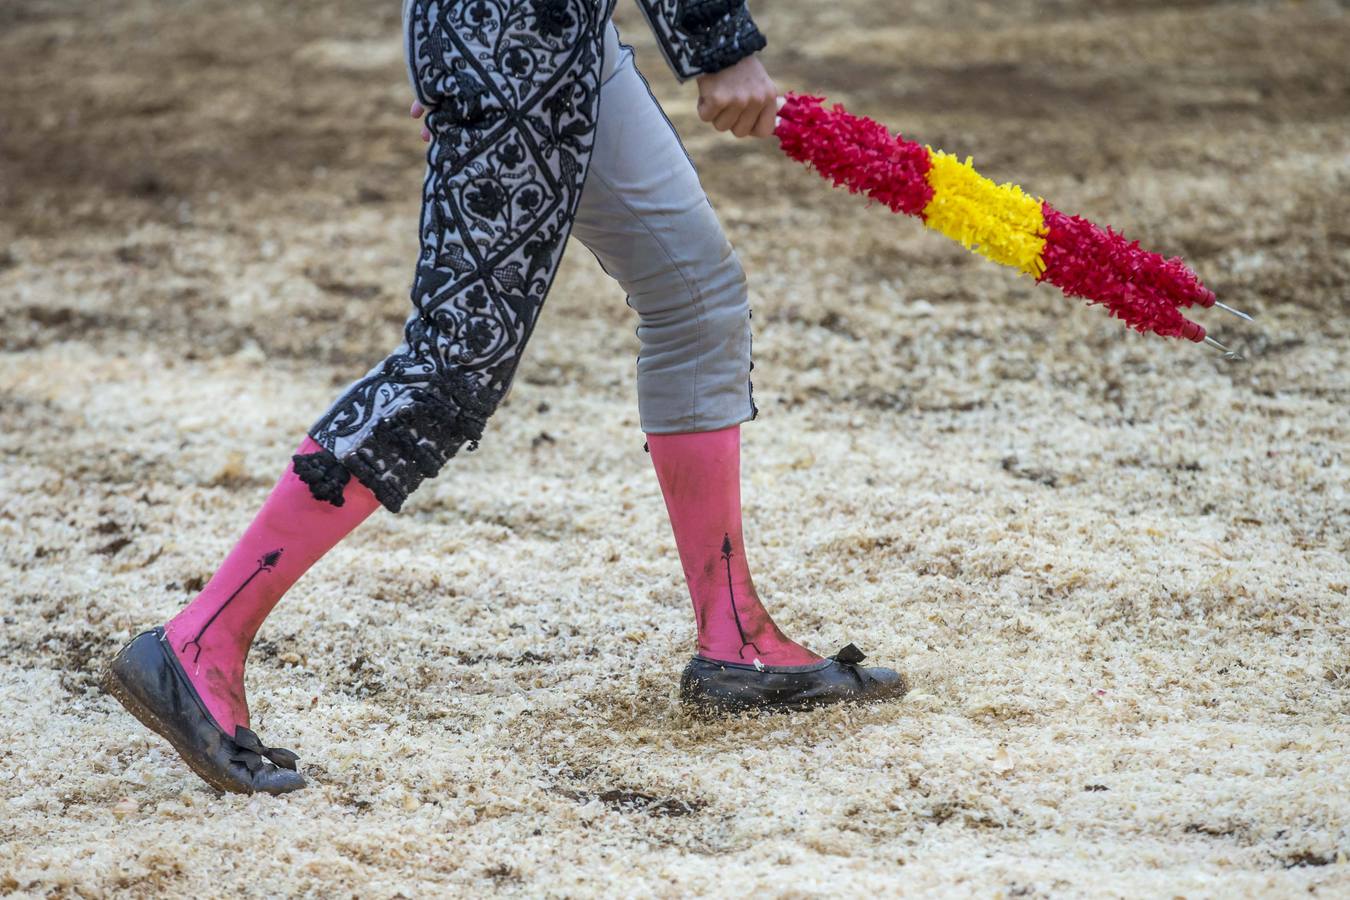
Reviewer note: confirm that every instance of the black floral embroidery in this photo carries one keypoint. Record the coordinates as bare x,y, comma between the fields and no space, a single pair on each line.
487,201
478,336
476,298
698,37
554,19
479,13
513,88
517,62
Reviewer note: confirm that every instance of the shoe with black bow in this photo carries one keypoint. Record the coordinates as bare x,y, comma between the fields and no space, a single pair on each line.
148,680
736,687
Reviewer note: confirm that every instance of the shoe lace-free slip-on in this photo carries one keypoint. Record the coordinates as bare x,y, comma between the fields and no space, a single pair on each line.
147,678
736,687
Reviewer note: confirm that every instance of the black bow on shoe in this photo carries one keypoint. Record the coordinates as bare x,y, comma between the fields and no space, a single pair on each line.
849,658
850,655
250,751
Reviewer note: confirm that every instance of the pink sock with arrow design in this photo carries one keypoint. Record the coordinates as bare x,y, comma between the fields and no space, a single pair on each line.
700,475
212,635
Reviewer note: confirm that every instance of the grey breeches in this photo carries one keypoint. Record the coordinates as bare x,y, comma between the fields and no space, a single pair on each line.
542,127
645,216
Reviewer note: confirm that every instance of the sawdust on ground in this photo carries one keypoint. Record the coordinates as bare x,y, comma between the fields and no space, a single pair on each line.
1114,568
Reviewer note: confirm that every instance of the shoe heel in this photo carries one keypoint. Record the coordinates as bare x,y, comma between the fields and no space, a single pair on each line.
119,681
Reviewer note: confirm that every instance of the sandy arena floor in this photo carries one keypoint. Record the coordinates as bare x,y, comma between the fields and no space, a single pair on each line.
1114,567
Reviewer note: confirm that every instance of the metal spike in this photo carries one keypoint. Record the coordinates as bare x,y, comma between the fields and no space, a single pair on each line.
1237,312
1230,355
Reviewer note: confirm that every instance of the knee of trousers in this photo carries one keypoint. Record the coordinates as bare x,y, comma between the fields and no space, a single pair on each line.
694,365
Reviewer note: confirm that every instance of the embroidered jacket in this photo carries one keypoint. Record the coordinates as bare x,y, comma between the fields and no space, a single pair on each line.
513,92
699,37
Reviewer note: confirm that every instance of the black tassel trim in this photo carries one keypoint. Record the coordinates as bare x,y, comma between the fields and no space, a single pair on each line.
414,442
326,476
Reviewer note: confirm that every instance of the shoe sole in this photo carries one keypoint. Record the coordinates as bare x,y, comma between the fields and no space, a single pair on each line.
120,691
709,705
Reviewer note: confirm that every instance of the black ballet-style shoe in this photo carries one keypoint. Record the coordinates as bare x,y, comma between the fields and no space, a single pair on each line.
148,680
736,687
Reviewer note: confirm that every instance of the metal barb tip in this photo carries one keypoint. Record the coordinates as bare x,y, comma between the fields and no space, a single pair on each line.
1237,312
1230,355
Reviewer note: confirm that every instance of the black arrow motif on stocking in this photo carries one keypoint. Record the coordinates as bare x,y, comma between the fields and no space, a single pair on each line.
726,555
266,564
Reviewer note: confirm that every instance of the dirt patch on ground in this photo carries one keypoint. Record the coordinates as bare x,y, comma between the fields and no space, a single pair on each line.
1114,568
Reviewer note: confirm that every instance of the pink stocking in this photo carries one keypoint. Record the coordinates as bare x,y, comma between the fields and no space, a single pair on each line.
700,475
212,635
